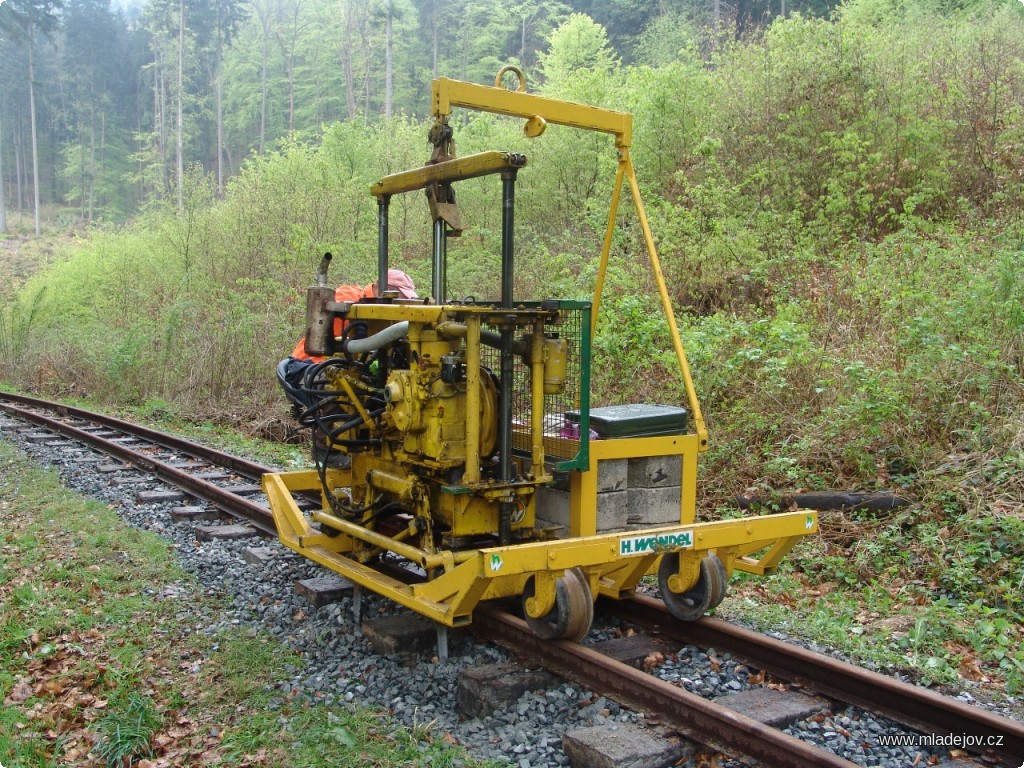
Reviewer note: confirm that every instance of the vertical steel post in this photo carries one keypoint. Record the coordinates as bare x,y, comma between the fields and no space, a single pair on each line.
439,287
508,205
382,243
472,473
508,198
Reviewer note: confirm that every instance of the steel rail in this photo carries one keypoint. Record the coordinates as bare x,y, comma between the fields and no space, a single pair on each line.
911,705
698,719
256,514
242,466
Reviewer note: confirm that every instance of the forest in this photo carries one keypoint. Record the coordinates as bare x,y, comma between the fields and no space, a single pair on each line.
105,107
836,195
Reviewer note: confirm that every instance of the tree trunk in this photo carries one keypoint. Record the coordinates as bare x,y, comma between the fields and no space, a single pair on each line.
3,193
434,33
158,122
19,168
389,45
81,169
265,54
32,118
103,146
219,98
92,168
181,111
522,44
346,63
364,36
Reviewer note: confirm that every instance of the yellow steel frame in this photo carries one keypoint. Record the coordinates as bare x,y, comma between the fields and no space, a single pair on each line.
613,562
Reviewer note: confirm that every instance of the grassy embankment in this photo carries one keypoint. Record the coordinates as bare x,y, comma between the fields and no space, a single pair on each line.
838,208
101,664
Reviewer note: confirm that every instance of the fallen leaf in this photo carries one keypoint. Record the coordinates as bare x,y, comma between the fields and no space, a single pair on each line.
653,660
20,693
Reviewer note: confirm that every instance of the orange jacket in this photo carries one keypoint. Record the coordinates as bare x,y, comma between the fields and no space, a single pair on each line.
349,293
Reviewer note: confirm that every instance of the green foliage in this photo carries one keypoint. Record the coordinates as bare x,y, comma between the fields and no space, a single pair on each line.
16,326
579,62
126,731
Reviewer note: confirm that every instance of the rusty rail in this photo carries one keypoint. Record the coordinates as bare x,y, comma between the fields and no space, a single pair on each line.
913,706
256,514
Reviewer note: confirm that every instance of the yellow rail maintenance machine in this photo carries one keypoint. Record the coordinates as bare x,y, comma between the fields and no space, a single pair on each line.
470,468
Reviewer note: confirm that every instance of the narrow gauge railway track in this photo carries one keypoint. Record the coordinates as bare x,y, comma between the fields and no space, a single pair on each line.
173,459
721,728
180,462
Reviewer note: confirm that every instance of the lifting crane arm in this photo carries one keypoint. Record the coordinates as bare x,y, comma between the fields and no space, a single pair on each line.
538,112
455,93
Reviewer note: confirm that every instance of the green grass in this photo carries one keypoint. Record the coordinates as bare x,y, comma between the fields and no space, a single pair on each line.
888,621
91,660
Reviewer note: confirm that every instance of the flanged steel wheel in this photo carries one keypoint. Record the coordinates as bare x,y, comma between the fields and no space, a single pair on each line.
572,614
707,593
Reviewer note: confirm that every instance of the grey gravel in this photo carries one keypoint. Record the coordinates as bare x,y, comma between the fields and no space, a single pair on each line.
338,666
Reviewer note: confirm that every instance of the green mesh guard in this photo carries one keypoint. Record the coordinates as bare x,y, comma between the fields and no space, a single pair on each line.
566,443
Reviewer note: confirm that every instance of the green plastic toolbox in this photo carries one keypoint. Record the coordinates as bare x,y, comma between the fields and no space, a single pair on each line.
640,420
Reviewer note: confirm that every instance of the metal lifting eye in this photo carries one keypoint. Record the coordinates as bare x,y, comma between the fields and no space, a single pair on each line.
510,69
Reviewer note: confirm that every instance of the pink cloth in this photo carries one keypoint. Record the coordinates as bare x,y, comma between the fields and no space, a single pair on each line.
401,282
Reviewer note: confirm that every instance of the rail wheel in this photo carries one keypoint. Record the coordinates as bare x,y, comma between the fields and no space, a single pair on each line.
572,614
707,593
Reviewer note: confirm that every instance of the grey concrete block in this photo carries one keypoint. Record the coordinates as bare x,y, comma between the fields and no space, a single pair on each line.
619,746
553,505
775,708
211,532
655,471
483,690
611,475
647,507
323,590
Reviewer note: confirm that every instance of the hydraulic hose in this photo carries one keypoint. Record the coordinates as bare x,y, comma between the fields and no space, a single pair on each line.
380,339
